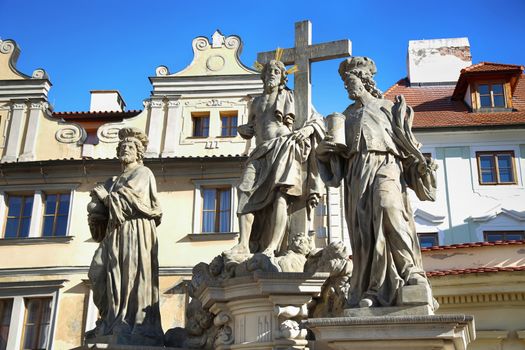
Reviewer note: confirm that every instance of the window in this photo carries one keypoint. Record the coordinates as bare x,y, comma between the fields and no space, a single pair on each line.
55,215
493,236
18,216
201,124
229,123
36,323
427,240
491,95
496,168
35,215
6,306
216,209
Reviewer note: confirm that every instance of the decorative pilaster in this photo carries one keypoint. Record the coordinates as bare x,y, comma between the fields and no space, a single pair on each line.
29,150
35,226
155,127
16,129
173,128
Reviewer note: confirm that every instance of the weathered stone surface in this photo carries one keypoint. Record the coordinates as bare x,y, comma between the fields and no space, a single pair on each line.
446,332
419,310
124,276
379,161
415,295
280,176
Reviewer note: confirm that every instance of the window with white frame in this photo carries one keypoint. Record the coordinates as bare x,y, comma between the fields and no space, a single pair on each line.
504,235
428,239
28,313
37,213
215,205
216,209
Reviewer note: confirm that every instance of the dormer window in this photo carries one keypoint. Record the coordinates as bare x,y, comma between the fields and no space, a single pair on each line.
491,95
488,87
488,96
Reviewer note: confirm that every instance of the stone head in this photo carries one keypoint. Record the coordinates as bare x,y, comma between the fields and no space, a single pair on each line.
358,75
216,265
300,243
274,74
132,145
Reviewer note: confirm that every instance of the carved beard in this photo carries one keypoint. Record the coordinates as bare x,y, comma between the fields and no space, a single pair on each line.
127,158
273,82
356,92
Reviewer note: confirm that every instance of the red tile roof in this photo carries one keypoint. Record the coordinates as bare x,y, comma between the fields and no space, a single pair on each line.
473,245
490,67
96,115
476,270
435,108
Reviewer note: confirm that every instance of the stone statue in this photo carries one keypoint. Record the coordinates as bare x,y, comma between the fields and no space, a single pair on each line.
378,158
123,217
281,170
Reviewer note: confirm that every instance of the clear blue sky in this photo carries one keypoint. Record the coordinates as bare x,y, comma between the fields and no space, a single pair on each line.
105,44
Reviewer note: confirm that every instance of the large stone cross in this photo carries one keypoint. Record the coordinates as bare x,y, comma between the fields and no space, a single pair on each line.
302,55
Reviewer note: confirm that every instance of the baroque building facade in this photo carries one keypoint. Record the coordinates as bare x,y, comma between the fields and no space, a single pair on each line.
470,118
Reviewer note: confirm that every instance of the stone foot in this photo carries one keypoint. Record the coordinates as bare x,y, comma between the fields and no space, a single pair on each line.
366,302
239,249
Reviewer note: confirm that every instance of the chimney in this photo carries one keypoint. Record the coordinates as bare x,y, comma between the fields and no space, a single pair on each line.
437,61
106,101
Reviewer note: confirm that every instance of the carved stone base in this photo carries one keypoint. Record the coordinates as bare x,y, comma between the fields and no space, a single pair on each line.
261,311
446,332
105,346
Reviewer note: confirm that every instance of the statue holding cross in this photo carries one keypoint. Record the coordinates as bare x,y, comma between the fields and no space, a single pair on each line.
280,184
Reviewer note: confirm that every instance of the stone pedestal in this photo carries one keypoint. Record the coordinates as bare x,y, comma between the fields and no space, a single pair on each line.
432,332
261,311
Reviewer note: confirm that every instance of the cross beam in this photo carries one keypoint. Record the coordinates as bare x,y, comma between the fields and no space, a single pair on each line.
302,55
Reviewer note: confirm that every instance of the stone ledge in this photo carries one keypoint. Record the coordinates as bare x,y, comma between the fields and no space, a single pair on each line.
36,240
97,346
226,236
433,332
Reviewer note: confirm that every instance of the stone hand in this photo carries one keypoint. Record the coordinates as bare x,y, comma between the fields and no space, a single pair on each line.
302,134
101,192
325,149
246,131
426,167
313,201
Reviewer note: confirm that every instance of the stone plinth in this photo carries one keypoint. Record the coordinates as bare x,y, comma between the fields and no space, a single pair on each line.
262,310
432,332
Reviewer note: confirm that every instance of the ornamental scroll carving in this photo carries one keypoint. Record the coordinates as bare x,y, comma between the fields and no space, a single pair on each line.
108,133
162,71
70,134
7,46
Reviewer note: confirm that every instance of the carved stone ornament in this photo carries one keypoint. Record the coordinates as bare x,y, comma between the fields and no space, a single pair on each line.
39,74
162,71
232,42
215,63
19,106
156,104
201,43
70,134
108,133
7,46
